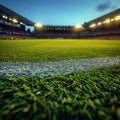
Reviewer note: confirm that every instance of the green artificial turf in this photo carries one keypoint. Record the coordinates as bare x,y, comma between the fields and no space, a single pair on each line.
56,50
85,96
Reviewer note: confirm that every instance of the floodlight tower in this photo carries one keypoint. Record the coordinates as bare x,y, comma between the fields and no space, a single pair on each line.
78,28
38,28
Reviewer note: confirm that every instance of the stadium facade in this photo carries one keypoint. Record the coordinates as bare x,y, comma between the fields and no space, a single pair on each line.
12,26
106,26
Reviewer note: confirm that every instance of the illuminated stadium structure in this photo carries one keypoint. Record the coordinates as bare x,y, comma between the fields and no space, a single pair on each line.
12,25
105,26
52,31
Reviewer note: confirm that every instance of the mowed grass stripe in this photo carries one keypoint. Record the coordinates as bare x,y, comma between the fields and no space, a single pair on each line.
56,50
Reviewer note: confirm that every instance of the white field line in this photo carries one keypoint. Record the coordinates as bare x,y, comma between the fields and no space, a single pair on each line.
55,68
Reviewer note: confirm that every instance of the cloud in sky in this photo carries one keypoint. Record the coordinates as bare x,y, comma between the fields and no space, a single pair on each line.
108,4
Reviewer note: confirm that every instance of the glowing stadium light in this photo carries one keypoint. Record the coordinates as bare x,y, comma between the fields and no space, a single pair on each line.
99,23
10,19
78,26
107,21
21,23
112,19
5,17
117,18
104,21
14,20
38,25
93,25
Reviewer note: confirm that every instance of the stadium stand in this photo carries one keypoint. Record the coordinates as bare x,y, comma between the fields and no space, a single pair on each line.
52,31
56,31
13,26
105,27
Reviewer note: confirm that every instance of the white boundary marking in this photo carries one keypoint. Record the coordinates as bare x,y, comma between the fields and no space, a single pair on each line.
8,69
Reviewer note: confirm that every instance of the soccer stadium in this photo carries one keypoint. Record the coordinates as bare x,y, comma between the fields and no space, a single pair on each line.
59,72
104,27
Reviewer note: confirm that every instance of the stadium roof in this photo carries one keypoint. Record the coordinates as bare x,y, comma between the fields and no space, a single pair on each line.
10,13
109,15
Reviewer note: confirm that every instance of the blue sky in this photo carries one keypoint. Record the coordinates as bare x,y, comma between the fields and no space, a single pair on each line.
61,12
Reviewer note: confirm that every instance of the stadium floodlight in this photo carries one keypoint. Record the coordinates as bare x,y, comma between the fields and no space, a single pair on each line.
107,21
38,25
21,23
99,23
104,22
112,19
78,26
5,17
15,20
93,25
10,19
117,18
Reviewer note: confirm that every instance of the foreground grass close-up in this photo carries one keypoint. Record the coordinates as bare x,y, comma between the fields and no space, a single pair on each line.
59,79
87,95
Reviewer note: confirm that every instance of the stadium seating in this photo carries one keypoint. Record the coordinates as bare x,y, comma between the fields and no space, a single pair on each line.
107,29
